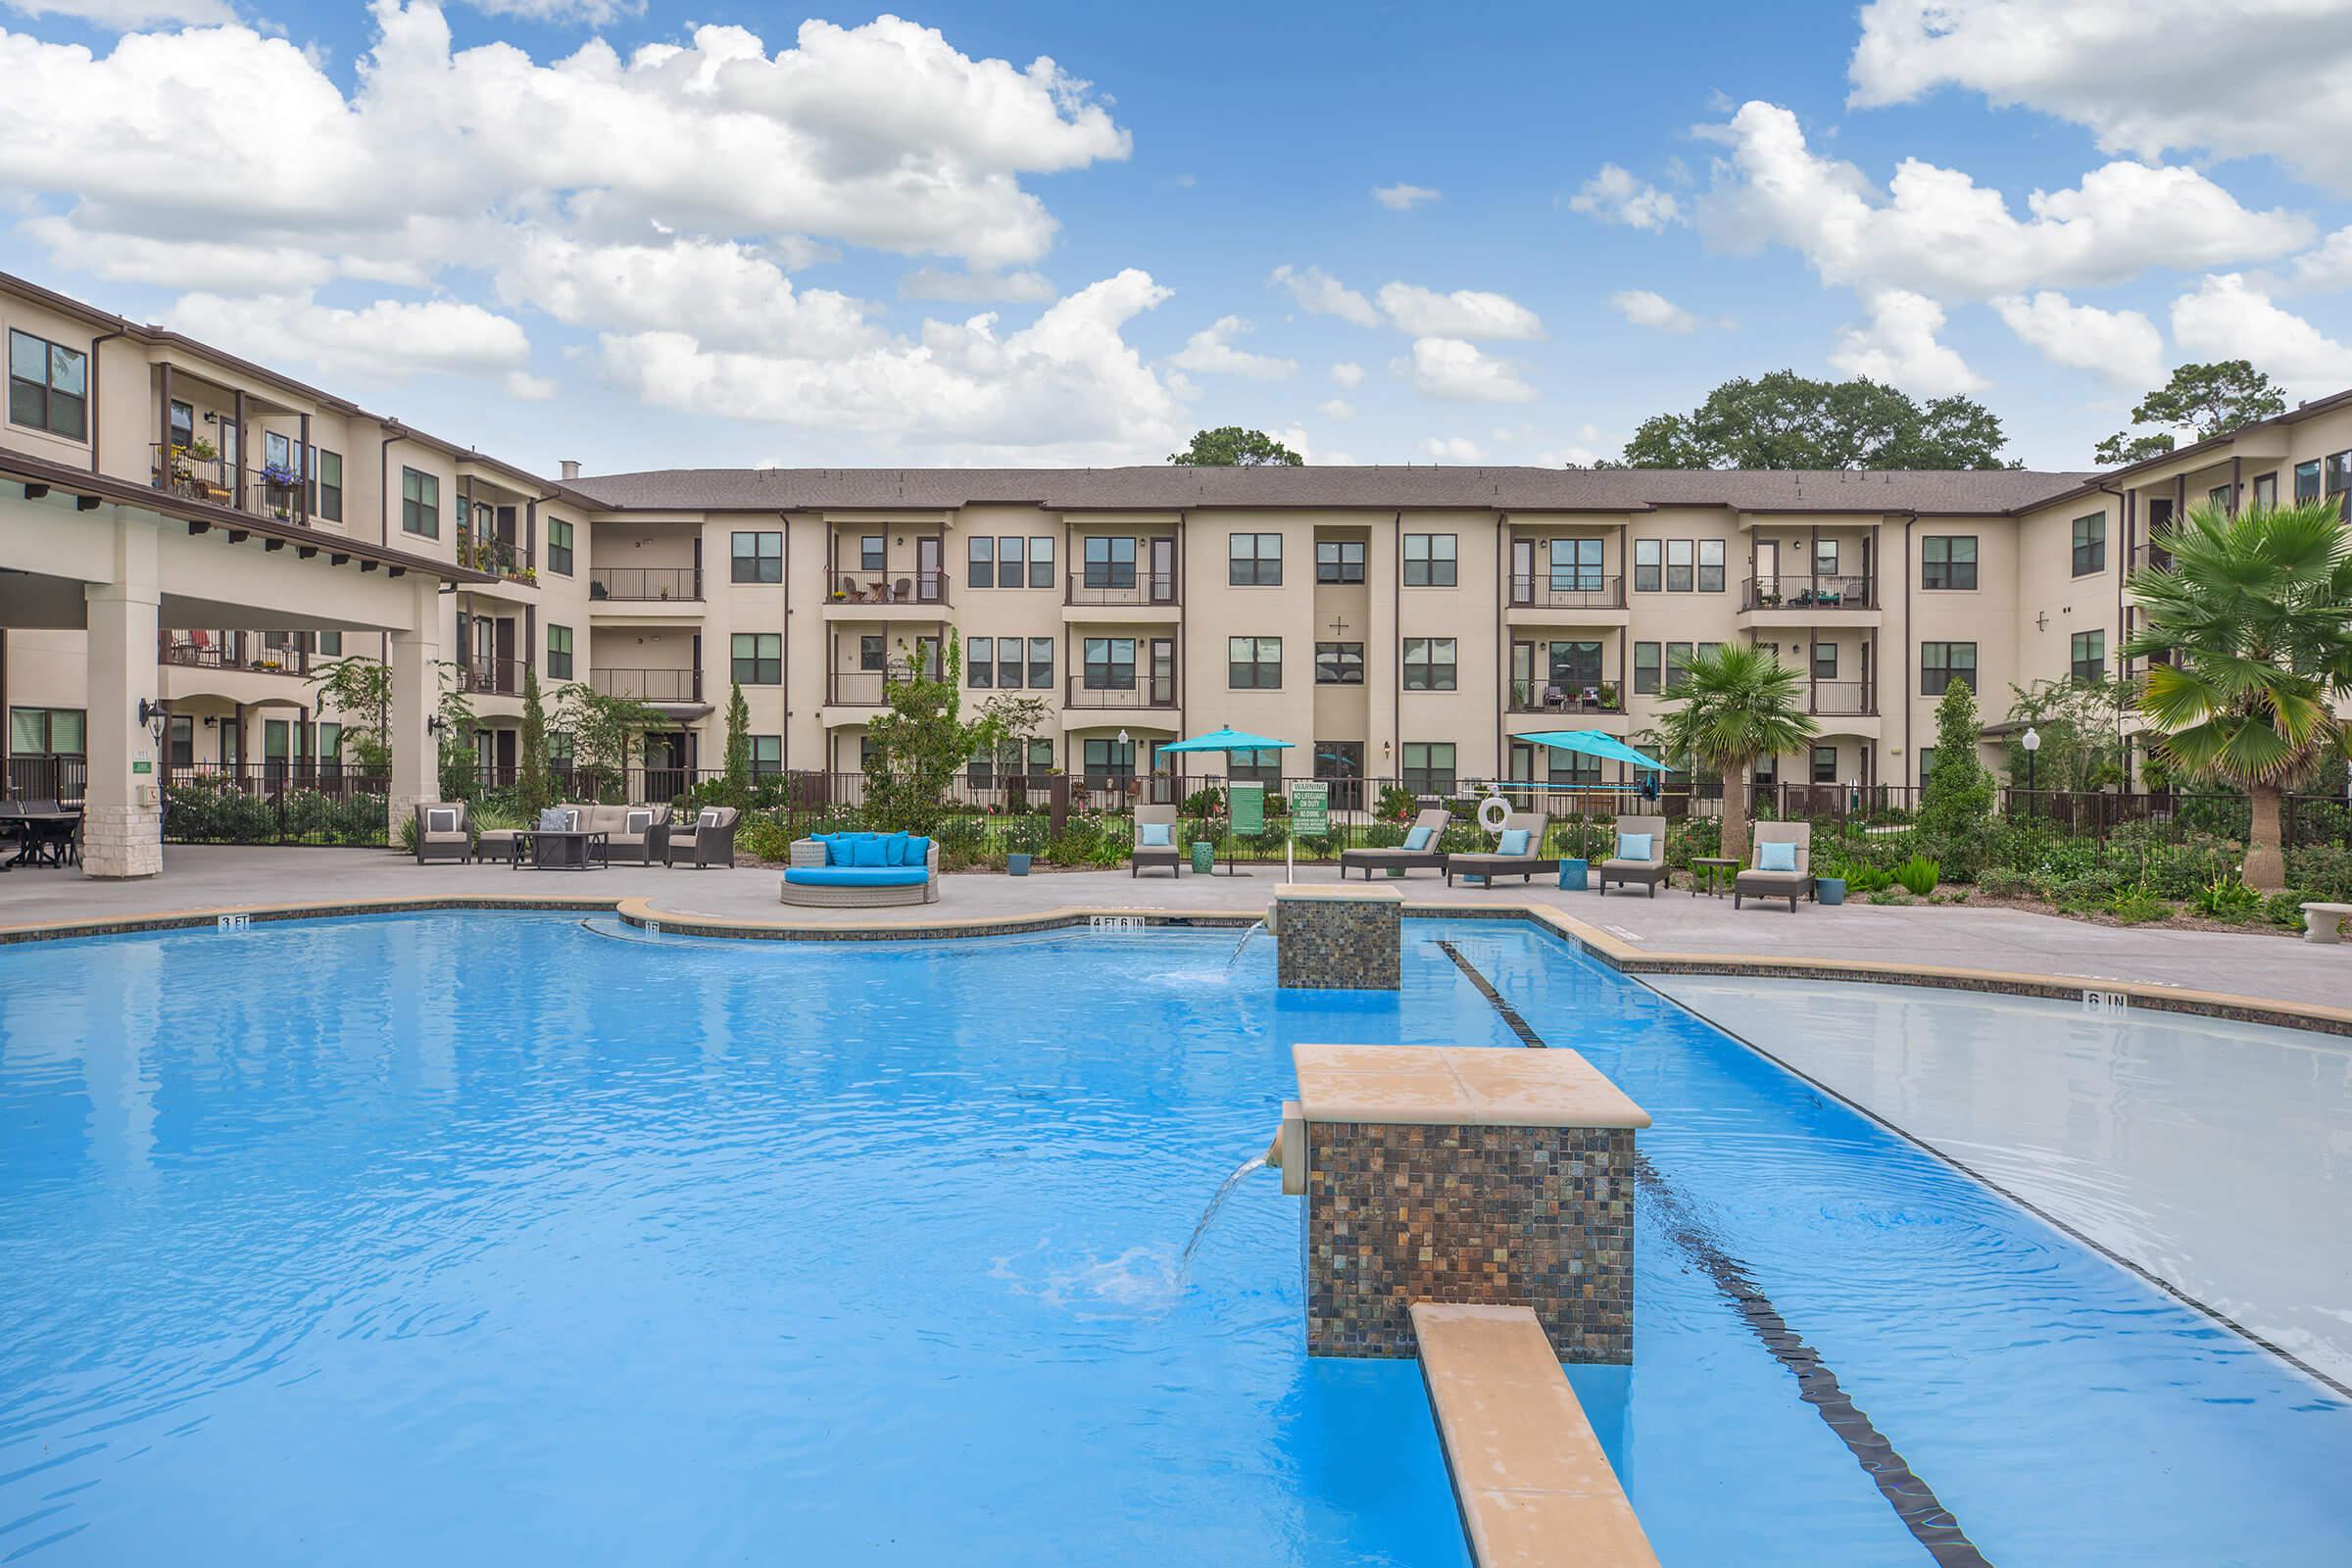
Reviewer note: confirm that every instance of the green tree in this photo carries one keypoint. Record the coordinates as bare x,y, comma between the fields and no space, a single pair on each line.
1955,806
1014,721
1734,705
1785,421
739,749
534,782
2203,399
601,732
2250,630
1232,447
2079,724
918,741
358,692
455,757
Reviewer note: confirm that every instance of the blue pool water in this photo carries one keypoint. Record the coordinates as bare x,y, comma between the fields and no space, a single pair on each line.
487,1239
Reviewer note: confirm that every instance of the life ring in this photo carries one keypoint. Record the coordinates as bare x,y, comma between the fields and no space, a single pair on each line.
1501,809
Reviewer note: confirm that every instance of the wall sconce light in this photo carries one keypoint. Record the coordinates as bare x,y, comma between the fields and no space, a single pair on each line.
153,715
434,726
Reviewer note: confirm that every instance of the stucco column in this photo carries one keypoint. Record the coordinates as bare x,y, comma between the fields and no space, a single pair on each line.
123,813
415,658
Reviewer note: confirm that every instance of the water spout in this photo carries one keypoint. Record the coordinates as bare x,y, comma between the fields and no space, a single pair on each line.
1224,1190
1236,955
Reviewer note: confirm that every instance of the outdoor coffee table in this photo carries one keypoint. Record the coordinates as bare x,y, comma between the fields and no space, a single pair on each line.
1711,875
554,850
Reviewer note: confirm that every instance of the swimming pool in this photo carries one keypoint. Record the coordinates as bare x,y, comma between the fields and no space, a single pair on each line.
491,1239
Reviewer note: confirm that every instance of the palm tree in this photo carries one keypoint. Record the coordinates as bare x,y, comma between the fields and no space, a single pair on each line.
2251,627
1735,704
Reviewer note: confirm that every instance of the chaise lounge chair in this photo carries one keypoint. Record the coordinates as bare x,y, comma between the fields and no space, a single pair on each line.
861,870
1418,852
1155,841
1789,842
1520,857
444,832
709,840
1643,870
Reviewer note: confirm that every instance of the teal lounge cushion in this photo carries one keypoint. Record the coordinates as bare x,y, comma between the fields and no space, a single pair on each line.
894,849
869,850
857,876
1632,846
1776,857
1156,836
1513,843
918,852
1417,839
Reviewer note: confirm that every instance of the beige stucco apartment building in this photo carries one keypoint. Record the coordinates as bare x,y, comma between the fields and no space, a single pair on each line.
1396,622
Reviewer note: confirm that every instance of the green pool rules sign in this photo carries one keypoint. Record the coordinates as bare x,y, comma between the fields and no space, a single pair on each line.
1311,810
1249,808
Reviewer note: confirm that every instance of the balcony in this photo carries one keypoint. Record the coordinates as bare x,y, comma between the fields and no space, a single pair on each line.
1566,590
1842,699
1793,591
645,585
486,677
266,492
1111,589
679,686
1567,697
2150,557
1136,696
233,650
503,557
928,588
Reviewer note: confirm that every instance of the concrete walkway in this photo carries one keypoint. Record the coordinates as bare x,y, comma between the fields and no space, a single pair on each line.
1675,921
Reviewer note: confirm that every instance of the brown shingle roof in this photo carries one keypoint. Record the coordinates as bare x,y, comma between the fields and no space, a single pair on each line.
1170,487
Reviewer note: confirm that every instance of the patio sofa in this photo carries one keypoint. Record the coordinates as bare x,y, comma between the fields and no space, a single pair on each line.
1166,854
707,840
1775,882
1424,854
862,870
1522,861
637,833
1643,872
444,832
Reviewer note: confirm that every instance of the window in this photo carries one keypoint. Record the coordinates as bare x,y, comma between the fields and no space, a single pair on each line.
1255,559
328,643
1941,664
1575,566
2087,656
768,753
1109,663
1574,666
2091,543
1825,558
1825,765
558,653
1678,664
1645,668
1431,561
1040,561
980,662
2339,473
2307,480
865,751
1041,664
327,486
559,547
870,556
1011,573
1338,664
47,387
1947,561
872,653
1428,768
2265,491
277,450
330,743
1336,560
980,568
1429,663
183,424
1648,553
45,732
1109,562
1110,761
1927,764
755,557
1710,565
1824,660
2219,496
758,658
419,503
1253,663
1678,566
183,742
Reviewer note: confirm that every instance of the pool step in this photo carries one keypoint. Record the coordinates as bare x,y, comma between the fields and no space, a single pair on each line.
1535,1489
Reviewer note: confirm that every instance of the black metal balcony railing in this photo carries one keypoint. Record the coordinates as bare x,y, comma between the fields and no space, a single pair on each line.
215,650
1139,692
502,555
1842,699
1121,588
864,688
671,685
2147,557
646,584
1789,590
1567,696
1555,590
266,492
886,587
491,677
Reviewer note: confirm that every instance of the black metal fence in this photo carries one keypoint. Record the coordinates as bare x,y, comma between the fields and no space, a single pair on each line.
50,777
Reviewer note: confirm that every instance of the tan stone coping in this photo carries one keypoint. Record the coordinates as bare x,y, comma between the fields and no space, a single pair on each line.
1458,1086
1534,1486
1337,893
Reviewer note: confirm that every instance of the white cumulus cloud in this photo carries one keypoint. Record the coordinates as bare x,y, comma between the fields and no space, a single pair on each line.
1319,293
1210,350
1616,196
1465,313
2122,347
1899,347
1451,449
1337,409
388,340
1019,287
2229,319
1458,372
1402,198
707,289
1643,308
122,15
1347,375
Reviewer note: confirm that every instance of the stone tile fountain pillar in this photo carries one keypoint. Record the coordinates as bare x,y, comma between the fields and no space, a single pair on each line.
1338,936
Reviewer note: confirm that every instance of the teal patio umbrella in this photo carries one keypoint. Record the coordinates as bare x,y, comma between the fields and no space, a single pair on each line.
1591,743
1231,742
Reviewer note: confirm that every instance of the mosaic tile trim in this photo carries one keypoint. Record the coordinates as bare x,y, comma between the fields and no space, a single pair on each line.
1338,945
1541,1217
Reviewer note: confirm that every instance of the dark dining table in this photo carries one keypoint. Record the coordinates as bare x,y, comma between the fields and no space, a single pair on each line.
44,836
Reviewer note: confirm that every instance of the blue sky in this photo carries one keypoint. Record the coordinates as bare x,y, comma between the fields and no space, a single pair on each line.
770,246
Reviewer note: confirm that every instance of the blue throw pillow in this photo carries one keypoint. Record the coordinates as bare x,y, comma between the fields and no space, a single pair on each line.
1514,842
869,850
1154,835
1417,839
1632,846
918,852
1776,857
894,849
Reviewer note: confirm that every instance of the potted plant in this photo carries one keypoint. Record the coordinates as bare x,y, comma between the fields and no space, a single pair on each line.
1831,889
1608,693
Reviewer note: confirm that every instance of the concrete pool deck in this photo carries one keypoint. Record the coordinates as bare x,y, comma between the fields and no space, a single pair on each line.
1640,930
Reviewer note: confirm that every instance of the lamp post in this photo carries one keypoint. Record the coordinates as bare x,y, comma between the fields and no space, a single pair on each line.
2032,742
